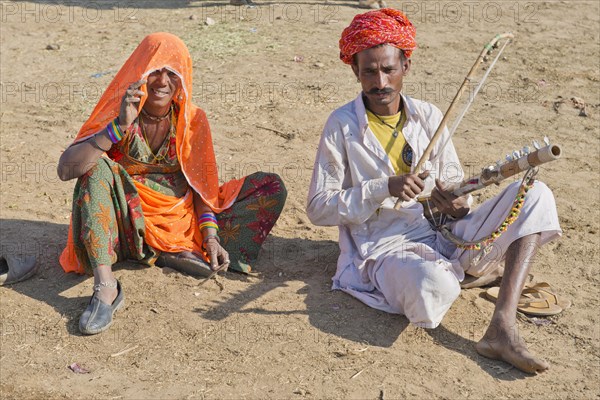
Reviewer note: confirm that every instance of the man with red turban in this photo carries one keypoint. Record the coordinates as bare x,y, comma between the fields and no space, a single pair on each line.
394,260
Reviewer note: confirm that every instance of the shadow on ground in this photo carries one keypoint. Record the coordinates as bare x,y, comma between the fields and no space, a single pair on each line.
282,261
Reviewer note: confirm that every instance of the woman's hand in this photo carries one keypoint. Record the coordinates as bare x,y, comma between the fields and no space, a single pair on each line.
78,158
217,254
129,108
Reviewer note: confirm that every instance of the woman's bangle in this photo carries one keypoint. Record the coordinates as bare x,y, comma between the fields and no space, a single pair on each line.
114,131
208,221
96,145
205,225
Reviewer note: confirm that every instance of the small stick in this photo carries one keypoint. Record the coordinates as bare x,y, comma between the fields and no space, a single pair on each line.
221,267
358,373
271,129
124,351
362,370
284,135
219,284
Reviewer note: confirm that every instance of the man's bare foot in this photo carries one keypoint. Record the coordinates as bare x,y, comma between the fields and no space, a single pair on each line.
505,344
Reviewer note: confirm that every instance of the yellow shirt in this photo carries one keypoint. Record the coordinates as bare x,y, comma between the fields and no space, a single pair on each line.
399,152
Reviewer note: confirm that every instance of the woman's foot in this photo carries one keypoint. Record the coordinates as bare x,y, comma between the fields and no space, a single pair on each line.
186,262
106,294
98,316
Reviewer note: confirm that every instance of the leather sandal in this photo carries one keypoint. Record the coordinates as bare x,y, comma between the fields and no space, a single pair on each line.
533,301
544,290
98,316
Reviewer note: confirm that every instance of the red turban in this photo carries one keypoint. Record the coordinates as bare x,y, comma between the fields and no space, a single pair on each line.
377,27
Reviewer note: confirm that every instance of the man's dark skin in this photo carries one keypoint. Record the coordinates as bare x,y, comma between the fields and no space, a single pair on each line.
381,71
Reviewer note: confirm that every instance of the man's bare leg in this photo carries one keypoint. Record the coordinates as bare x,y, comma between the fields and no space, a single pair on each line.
501,340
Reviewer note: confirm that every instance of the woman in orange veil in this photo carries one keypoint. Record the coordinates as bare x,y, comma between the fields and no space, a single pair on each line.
148,188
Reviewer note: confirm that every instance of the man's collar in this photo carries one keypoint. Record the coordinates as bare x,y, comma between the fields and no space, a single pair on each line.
361,110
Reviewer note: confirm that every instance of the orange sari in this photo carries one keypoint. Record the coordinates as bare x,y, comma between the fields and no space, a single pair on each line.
170,221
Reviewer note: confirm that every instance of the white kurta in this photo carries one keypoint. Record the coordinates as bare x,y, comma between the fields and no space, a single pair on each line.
391,259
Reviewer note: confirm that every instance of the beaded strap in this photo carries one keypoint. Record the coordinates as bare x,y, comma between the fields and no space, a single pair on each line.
527,184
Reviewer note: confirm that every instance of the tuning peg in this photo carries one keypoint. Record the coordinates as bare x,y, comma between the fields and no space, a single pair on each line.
516,154
536,145
508,158
498,164
525,150
546,140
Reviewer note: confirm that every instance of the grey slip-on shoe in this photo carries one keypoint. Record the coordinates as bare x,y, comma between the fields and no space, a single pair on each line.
15,269
98,316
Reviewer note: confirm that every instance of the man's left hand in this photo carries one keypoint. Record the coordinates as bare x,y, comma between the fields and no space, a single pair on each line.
448,203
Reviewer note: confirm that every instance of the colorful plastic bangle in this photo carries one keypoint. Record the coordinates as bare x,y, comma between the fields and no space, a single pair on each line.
114,131
208,221
209,225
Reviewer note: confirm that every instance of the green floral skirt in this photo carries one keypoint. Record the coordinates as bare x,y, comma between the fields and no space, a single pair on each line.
108,221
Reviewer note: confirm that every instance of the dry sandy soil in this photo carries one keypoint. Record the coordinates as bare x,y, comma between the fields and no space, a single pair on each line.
268,77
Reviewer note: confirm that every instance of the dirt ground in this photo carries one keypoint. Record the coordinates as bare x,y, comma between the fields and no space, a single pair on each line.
268,77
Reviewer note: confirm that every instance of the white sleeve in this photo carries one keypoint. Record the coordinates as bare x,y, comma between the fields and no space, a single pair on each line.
332,199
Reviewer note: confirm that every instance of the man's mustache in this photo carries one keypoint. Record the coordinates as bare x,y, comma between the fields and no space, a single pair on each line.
381,91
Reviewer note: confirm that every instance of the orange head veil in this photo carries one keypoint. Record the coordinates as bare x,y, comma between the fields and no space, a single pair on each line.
170,223
194,141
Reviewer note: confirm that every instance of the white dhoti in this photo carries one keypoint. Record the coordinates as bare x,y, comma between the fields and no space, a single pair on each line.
422,280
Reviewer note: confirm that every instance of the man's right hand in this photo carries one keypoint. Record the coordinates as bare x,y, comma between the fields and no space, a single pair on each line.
407,187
